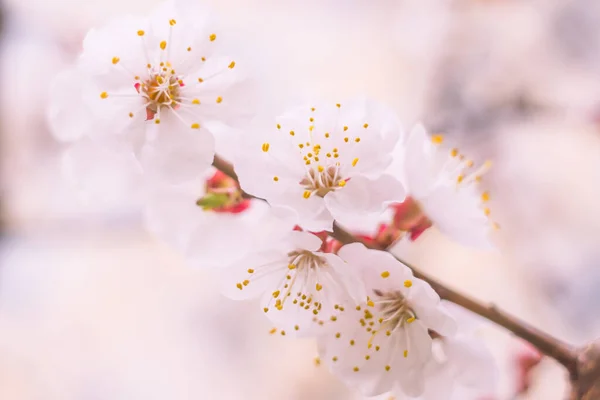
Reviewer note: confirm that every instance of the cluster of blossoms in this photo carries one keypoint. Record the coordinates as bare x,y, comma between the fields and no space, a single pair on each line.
150,99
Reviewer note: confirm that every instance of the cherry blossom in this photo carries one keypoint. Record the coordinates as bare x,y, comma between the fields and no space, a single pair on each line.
386,340
324,161
299,286
442,189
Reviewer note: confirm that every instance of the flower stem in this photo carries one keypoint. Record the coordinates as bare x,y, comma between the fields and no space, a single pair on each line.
552,347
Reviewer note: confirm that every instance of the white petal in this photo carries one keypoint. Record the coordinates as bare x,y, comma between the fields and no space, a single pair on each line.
364,197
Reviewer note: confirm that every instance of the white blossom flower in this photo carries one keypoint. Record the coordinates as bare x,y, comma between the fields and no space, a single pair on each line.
159,85
385,341
325,162
442,189
209,221
299,285
462,368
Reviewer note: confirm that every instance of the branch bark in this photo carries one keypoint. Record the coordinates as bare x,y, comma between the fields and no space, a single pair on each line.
545,343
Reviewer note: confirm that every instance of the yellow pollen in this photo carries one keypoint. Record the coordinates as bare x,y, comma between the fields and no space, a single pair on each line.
335,149
454,152
333,318
203,58
487,211
246,282
282,333
172,22
354,162
148,65
306,194
195,125
273,331
338,105
310,128
115,60
356,369
212,37
103,95
200,80
337,335
189,49
195,101
291,266
385,274
219,99
341,183
485,196
367,357
326,134
318,286
276,294
365,126
321,168
405,353
238,285
345,140
334,359
459,179
312,109
163,44
266,309
292,133
157,121
345,128
276,178
311,119
231,64
437,139
130,115
357,308
265,147
377,348
357,140
296,327
141,33
250,271
407,283
278,126
387,367
352,342
411,320
370,303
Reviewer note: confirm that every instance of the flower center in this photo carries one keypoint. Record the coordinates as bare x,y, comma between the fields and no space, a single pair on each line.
161,89
394,309
322,180
223,195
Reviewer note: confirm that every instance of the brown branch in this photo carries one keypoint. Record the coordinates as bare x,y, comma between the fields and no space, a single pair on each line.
545,343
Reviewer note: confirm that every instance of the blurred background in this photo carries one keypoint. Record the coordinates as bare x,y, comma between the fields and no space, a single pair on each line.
94,308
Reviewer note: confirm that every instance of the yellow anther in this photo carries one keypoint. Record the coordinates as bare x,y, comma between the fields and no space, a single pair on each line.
265,147
314,311
157,121
312,109
354,162
172,22
485,196
292,133
212,37
333,318
196,101
345,128
115,60
318,286
357,308
203,58
377,348
310,128
266,309
246,282
195,125
282,333
341,183
273,331
239,286
356,369
437,139
345,140
385,274
278,126
276,178
370,303
250,271
148,65
200,80
219,99
407,283
338,335
141,32
231,64
103,95
326,134
301,145
338,105
291,266
163,44
405,353
276,293
352,342
487,211
387,367
311,119
367,357
189,49
309,155
411,320
296,327
306,193
454,152
334,359
459,179
357,140
321,168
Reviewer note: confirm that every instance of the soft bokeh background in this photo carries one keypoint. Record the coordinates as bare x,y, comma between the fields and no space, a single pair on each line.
93,308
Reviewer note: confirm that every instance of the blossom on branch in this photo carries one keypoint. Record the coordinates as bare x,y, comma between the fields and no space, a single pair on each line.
385,341
324,161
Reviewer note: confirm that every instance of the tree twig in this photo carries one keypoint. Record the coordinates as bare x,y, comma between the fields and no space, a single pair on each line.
545,343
